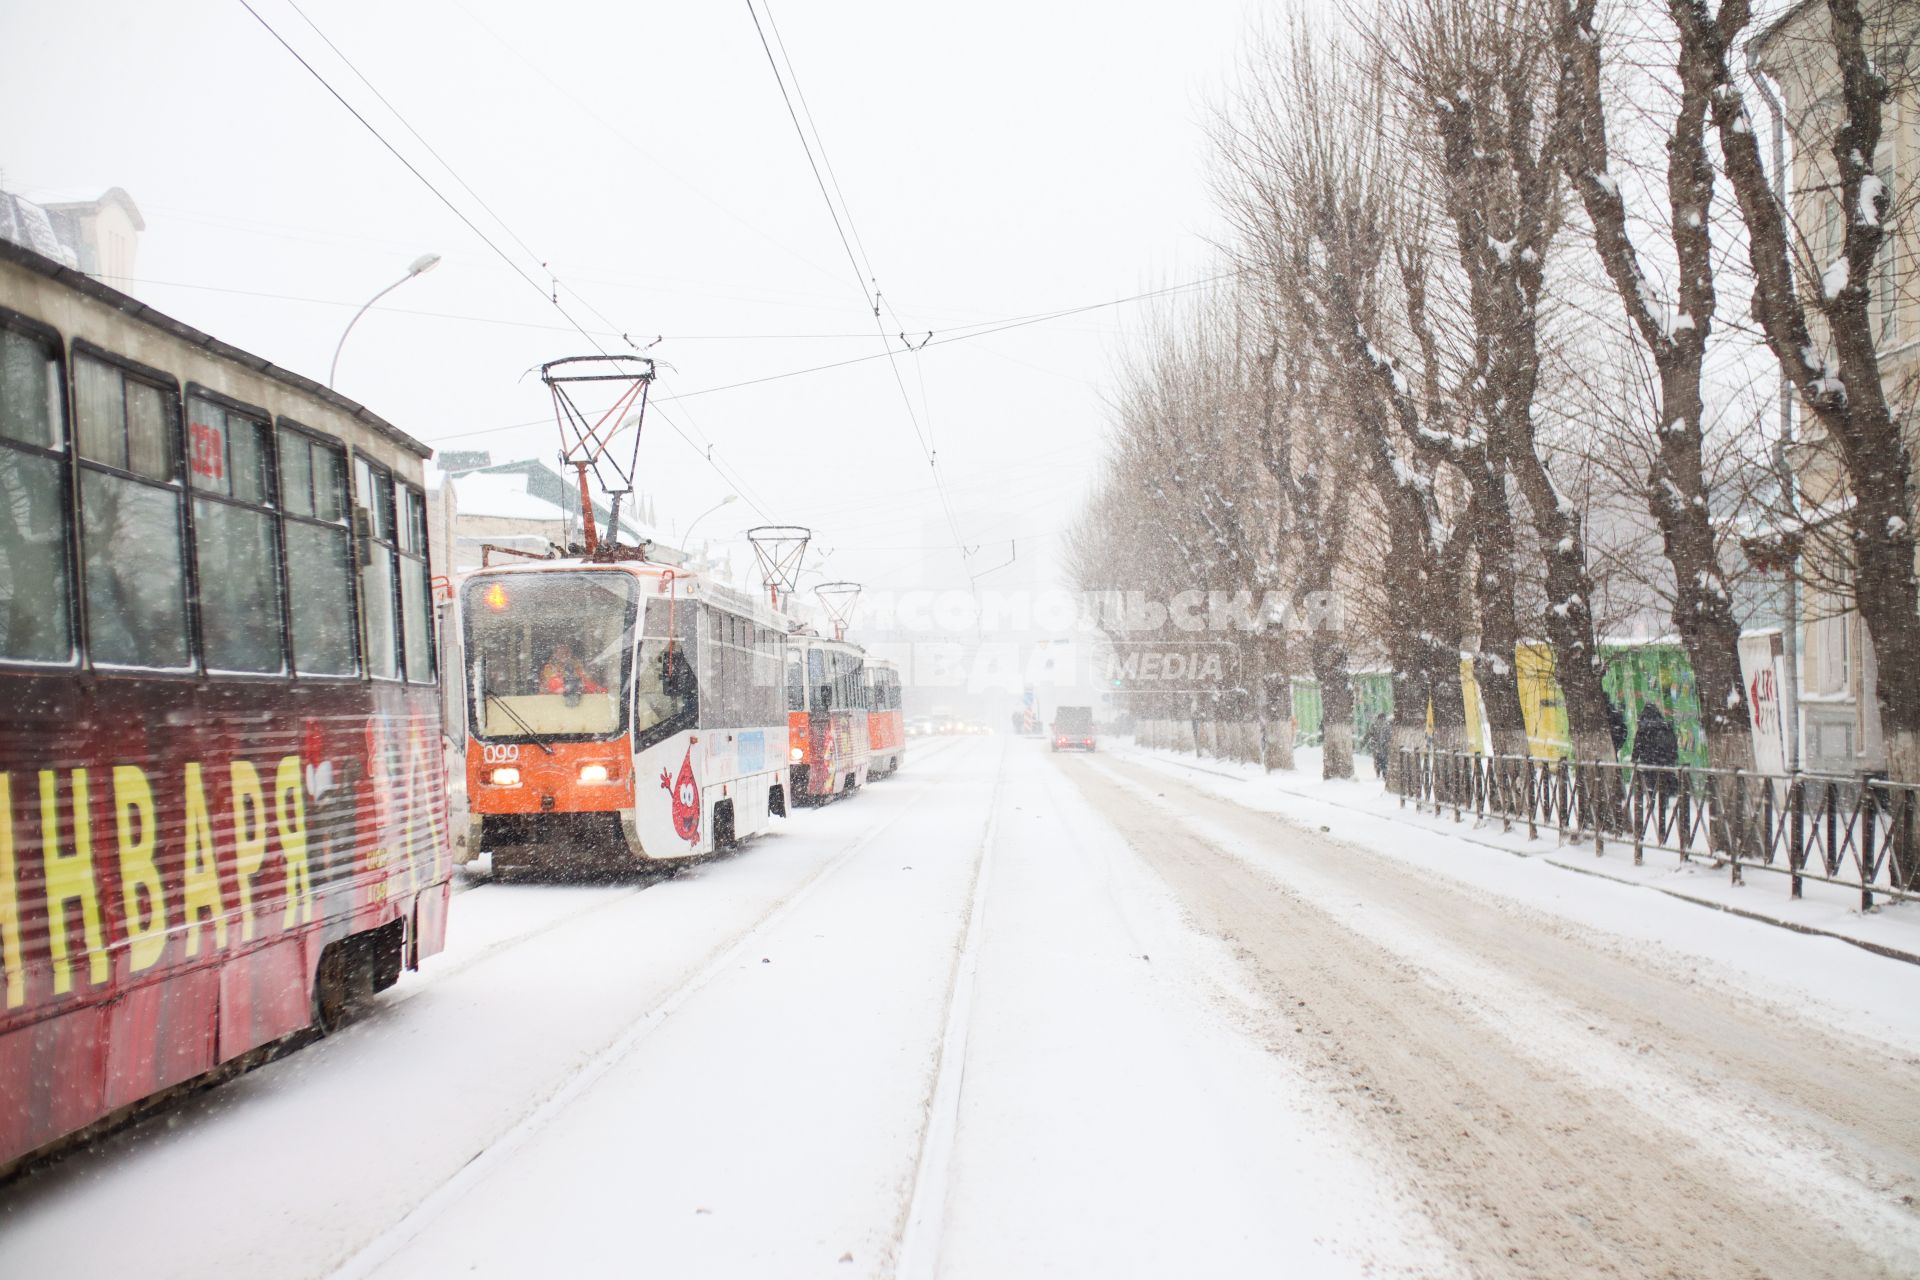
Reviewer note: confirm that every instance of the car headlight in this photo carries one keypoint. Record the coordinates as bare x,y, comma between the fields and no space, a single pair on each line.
504,777
797,755
593,773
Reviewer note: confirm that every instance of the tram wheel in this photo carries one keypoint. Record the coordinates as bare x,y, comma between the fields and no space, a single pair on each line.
343,985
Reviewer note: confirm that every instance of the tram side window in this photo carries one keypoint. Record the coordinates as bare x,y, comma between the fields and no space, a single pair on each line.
667,696
132,543
235,550
769,694
819,685
416,595
728,700
373,491
319,555
36,583
796,682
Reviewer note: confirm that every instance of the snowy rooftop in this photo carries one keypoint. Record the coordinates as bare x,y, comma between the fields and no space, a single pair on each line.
504,495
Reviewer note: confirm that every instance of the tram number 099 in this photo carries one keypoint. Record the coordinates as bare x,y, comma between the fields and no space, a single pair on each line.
500,753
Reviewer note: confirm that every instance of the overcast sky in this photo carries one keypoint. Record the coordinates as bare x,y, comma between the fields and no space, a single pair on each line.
998,159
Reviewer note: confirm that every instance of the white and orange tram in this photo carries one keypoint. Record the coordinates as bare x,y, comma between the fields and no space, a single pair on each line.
619,710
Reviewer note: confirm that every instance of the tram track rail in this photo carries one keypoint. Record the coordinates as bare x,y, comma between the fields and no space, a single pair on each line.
158,1104
923,1220
388,1243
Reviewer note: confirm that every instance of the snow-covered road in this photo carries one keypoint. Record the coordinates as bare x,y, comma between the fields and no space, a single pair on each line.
1013,1014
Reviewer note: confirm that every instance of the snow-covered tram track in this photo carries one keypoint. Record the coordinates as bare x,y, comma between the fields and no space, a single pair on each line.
616,893
371,1256
916,1252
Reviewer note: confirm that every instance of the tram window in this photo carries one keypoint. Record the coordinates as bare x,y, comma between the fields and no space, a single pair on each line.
29,392
416,597
236,554
321,595
819,688
296,474
319,556
667,697
35,583
135,573
376,594
100,412
549,654
249,460
239,569
313,480
228,453
373,489
796,682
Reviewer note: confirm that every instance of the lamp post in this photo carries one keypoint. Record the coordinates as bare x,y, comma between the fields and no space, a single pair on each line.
419,267
688,535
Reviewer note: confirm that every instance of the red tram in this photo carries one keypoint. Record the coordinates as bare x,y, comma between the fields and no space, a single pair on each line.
222,803
828,751
886,725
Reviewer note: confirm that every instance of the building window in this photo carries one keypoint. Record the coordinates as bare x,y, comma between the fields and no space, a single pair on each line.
132,542
313,489
36,581
236,548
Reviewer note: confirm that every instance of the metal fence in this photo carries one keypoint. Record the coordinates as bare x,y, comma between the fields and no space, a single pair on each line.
1859,832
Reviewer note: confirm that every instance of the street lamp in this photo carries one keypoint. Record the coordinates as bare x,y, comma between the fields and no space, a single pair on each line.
687,537
420,266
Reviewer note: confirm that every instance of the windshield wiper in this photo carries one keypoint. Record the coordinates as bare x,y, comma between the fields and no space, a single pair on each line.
514,716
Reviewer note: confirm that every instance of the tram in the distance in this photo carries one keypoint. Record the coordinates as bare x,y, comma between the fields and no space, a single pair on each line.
222,811
620,711
828,754
886,723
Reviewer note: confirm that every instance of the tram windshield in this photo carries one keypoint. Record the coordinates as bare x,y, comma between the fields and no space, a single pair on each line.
548,654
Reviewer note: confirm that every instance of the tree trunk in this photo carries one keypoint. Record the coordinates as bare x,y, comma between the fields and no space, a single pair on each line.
1336,703
1491,518
1277,743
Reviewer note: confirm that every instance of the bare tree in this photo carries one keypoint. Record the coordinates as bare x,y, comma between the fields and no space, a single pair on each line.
1316,209
1478,70
1837,377
1676,484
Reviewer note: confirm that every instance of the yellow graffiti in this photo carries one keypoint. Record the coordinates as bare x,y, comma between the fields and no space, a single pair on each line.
69,878
10,902
290,818
146,925
249,837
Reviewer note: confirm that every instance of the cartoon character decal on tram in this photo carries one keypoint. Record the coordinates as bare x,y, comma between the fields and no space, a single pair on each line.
685,793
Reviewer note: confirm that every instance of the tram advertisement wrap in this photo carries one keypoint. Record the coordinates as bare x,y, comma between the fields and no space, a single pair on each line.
164,911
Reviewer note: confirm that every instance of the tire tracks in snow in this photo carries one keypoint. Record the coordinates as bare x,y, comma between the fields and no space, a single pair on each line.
1509,1107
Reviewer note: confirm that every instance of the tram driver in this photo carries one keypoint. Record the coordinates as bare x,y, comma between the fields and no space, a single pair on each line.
565,673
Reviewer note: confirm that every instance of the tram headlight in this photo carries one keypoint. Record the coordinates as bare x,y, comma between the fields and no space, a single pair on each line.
797,755
504,778
593,773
